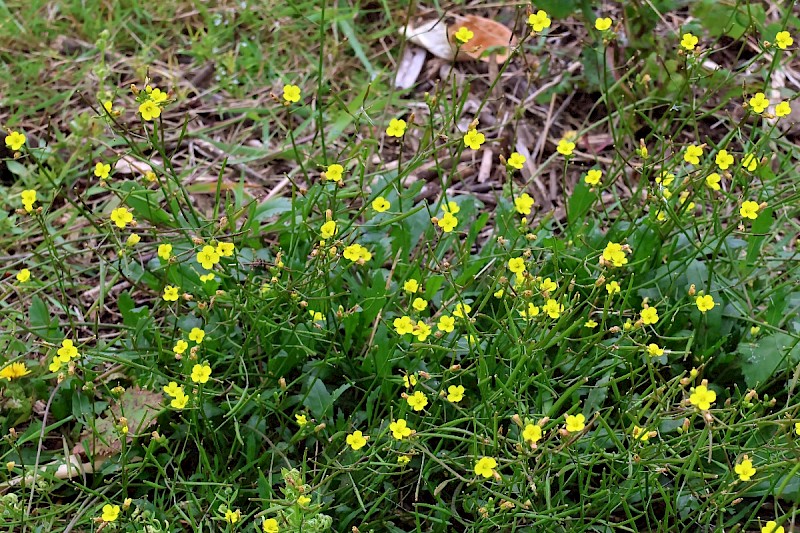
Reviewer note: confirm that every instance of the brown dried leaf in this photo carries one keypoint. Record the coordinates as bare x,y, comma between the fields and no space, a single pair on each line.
489,36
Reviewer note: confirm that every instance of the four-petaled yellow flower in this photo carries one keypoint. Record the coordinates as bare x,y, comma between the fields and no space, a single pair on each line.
523,204
723,159
110,513
463,35
772,527
693,154
180,346
783,40
417,401
170,293
380,204
15,140
232,517
133,239
149,110
745,469
649,316
197,335
121,217
474,139
208,257
400,429
702,397
758,103
291,94
165,251
462,310
783,109
67,351
23,275
485,465
640,434
448,222
750,162
301,419
270,525
603,23
28,199
397,127
328,229
419,304
548,285
689,41
532,433
14,371
654,350
411,286
713,180
356,440
575,423
451,207
613,287
446,323
334,172
565,147
516,160
516,265
421,330
614,253
455,393
705,303
553,308
593,177
102,170
749,209
403,325
539,20
225,249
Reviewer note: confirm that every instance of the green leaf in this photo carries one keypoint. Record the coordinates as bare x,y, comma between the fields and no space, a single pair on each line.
318,400
760,229
39,316
767,356
579,203
558,8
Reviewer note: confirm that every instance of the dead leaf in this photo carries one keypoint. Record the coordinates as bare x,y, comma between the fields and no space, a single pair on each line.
437,37
130,165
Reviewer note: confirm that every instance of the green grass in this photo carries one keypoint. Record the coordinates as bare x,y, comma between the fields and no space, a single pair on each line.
302,342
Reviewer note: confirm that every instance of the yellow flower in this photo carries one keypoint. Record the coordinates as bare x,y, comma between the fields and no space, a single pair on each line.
149,110
356,252
180,401
404,459
640,434
173,389
232,517
539,21
208,257
602,24
783,109
419,304
301,419
548,285
692,154
723,159
380,204
593,177
446,323
15,140
170,293
409,380
516,265
356,440
417,401
462,310
23,275
553,308
448,222
614,254
225,249
532,433
689,41
516,160
758,103
451,207
67,351
334,172
485,465
110,513
654,350
133,239
165,251
121,217
750,162
565,147
749,210
291,94
328,229
102,170
197,335
772,527
590,324
712,181
421,330
403,325
400,429
411,286
523,204
156,94
531,312
201,373
649,315
783,40
463,35
14,371
702,397
28,199
745,469
270,525
473,139
150,176
704,303
180,346
575,422
455,393
397,127
665,179
612,287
